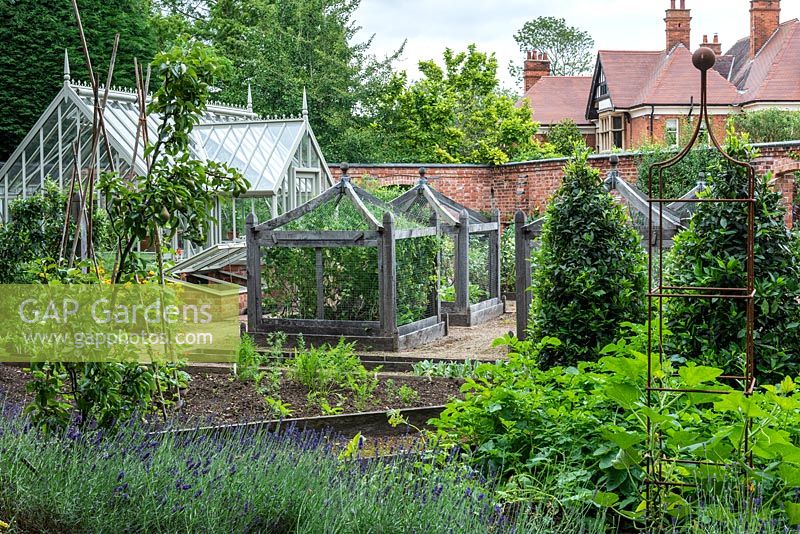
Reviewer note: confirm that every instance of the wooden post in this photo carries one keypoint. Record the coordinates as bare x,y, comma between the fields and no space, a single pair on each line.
320,285
522,252
462,263
437,296
254,312
494,256
388,274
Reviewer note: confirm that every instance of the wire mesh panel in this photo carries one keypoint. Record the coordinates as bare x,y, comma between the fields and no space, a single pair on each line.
447,268
288,279
339,284
417,279
350,284
469,255
479,268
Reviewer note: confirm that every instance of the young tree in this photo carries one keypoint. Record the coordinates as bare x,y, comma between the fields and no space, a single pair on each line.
590,273
569,48
35,33
712,253
456,114
564,136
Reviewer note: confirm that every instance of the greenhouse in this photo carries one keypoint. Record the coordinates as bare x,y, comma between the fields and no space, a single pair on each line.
345,264
280,157
470,259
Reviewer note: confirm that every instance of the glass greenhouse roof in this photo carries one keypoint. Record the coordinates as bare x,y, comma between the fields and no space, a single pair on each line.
261,150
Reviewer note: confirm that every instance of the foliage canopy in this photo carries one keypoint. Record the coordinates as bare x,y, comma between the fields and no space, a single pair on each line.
456,114
35,33
282,47
769,125
568,47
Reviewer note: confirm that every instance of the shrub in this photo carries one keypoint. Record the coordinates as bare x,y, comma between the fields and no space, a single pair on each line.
565,136
246,480
34,230
769,125
712,253
590,273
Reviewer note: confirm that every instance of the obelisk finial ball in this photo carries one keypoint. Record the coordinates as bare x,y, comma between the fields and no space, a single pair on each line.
704,58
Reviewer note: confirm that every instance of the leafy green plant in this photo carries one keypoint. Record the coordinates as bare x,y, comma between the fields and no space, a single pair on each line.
247,359
508,265
445,369
768,125
33,234
279,408
712,253
250,359
581,433
564,136
407,394
327,368
590,271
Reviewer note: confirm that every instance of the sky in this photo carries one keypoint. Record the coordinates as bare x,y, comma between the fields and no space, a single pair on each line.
429,26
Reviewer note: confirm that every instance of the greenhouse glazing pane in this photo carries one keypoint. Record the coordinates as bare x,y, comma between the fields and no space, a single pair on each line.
259,150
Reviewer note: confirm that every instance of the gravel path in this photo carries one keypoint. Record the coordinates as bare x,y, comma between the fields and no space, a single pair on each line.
461,343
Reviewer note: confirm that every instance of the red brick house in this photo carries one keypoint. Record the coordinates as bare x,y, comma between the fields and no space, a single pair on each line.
638,97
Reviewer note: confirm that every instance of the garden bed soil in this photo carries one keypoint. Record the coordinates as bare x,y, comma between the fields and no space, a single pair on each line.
13,381
217,398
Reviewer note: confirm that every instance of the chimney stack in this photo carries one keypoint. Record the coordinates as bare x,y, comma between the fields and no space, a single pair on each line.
537,65
765,17
716,46
678,25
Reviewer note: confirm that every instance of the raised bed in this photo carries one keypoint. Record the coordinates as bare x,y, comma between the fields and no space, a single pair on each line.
215,398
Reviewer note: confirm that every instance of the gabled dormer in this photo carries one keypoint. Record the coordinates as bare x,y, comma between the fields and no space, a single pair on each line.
599,96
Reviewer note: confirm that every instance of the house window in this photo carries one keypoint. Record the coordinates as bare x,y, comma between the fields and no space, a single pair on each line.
602,86
611,133
672,132
617,131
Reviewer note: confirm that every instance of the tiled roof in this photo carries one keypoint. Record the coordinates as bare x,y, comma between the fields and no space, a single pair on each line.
644,78
555,98
724,65
626,73
774,74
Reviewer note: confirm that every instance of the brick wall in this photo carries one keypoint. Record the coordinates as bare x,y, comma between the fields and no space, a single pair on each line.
639,128
527,186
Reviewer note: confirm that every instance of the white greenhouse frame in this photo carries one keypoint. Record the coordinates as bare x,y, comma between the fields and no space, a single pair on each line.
280,157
